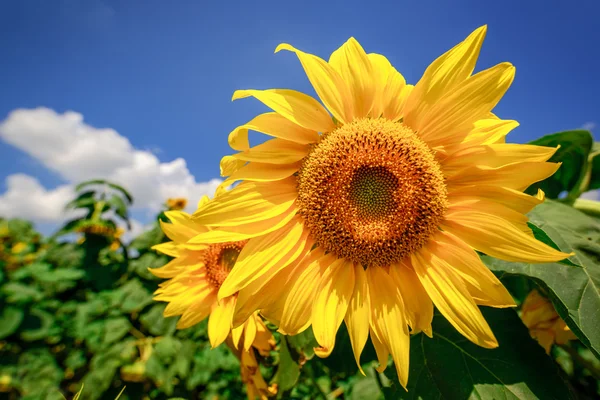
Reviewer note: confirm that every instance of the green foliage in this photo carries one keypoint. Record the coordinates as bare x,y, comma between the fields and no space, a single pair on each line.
78,319
449,366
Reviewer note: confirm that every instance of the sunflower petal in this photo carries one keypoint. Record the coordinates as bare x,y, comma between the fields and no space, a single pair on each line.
330,304
274,151
418,305
249,333
328,84
383,354
296,311
358,317
451,297
271,124
197,311
499,238
496,155
247,231
518,201
262,172
247,203
518,176
388,319
481,283
219,322
264,255
455,113
442,75
353,64
297,107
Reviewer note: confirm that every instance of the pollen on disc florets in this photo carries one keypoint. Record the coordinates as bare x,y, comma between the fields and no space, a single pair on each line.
371,191
219,259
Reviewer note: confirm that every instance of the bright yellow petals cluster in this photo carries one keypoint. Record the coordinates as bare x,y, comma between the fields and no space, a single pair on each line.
543,322
368,206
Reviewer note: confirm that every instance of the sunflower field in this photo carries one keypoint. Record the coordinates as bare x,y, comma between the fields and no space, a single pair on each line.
78,314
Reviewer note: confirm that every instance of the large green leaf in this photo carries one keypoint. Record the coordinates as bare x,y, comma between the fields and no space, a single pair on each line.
573,153
574,290
120,208
288,371
449,366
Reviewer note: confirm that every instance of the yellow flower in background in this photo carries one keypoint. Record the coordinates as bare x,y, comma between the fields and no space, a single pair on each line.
18,247
544,324
176,203
250,337
369,210
195,275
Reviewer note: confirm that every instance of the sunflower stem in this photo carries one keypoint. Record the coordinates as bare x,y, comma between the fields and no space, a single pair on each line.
590,207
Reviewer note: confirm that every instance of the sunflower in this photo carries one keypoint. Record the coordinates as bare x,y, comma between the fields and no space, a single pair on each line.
368,209
543,322
195,275
178,203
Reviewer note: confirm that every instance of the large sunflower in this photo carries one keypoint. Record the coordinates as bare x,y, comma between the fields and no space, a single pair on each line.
369,210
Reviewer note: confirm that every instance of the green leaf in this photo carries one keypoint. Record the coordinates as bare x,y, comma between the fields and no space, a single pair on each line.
60,275
10,319
574,290
84,200
451,367
147,239
134,296
155,323
288,371
573,153
38,325
20,293
304,343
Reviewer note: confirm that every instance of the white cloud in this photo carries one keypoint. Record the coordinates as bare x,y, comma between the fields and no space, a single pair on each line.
25,197
76,151
588,126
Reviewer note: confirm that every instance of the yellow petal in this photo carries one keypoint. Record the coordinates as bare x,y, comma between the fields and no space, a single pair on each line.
489,131
331,303
328,84
455,113
388,319
353,64
396,102
249,333
442,75
177,265
219,322
499,238
518,176
262,172
229,165
274,151
496,155
381,70
296,312
182,227
298,107
268,295
170,249
518,201
243,232
236,334
418,305
383,354
451,298
481,283
271,124
489,207
358,317
247,203
265,255
198,311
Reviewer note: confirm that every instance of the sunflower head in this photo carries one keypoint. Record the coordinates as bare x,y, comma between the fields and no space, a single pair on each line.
368,207
195,275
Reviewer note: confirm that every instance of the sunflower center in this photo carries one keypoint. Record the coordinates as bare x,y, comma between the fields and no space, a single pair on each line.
219,259
371,191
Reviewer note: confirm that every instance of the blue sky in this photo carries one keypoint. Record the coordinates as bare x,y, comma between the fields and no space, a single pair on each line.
162,73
